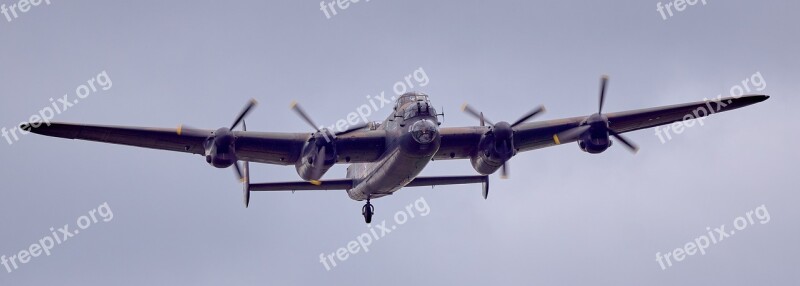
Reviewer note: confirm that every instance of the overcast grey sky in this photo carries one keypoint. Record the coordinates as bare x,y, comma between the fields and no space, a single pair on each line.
564,218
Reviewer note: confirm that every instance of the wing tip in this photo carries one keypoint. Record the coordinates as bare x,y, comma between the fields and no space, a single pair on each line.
29,127
752,98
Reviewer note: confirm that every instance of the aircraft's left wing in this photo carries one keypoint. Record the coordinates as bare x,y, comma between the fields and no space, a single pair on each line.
262,147
535,135
462,142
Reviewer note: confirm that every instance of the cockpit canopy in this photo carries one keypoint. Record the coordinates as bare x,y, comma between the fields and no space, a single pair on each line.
415,104
411,97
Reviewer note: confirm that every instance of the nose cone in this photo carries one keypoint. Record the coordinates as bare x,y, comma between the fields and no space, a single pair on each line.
598,121
503,130
222,152
223,136
424,131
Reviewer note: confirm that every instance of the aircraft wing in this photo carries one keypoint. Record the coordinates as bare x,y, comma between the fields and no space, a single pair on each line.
535,135
462,142
262,147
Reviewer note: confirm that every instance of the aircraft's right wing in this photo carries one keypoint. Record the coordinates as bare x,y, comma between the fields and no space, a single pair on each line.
285,148
262,147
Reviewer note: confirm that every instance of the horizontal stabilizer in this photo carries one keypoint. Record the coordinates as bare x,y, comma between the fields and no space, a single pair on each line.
343,184
439,181
456,180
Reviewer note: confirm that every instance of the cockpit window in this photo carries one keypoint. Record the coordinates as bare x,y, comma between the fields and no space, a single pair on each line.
419,109
411,97
411,112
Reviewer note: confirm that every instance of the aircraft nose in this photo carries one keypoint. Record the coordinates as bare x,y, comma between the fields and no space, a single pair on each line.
424,131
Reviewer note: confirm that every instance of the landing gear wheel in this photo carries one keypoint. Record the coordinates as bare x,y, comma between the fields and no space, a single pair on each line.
368,210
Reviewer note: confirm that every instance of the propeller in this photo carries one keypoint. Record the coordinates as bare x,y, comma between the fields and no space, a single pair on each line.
302,113
299,110
503,131
479,115
246,110
322,147
236,167
571,134
631,146
319,162
223,137
504,171
597,120
603,84
240,119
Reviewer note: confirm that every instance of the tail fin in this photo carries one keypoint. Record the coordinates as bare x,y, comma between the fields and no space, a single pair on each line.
246,182
246,179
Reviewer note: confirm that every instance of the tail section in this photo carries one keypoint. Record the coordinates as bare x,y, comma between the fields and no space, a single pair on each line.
246,178
246,183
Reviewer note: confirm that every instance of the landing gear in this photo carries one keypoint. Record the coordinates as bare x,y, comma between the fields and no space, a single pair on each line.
368,210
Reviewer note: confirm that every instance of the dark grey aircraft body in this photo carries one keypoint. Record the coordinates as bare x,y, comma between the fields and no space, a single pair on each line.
388,156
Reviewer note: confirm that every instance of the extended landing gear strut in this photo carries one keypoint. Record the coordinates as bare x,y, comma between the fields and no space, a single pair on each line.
368,210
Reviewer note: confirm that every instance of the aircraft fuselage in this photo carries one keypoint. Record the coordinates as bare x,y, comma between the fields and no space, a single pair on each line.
412,140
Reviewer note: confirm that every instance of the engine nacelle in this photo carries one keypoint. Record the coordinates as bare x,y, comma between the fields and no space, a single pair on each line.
311,150
485,165
594,143
493,152
220,149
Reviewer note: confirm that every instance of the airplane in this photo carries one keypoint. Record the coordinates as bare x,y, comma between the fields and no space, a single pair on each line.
386,156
